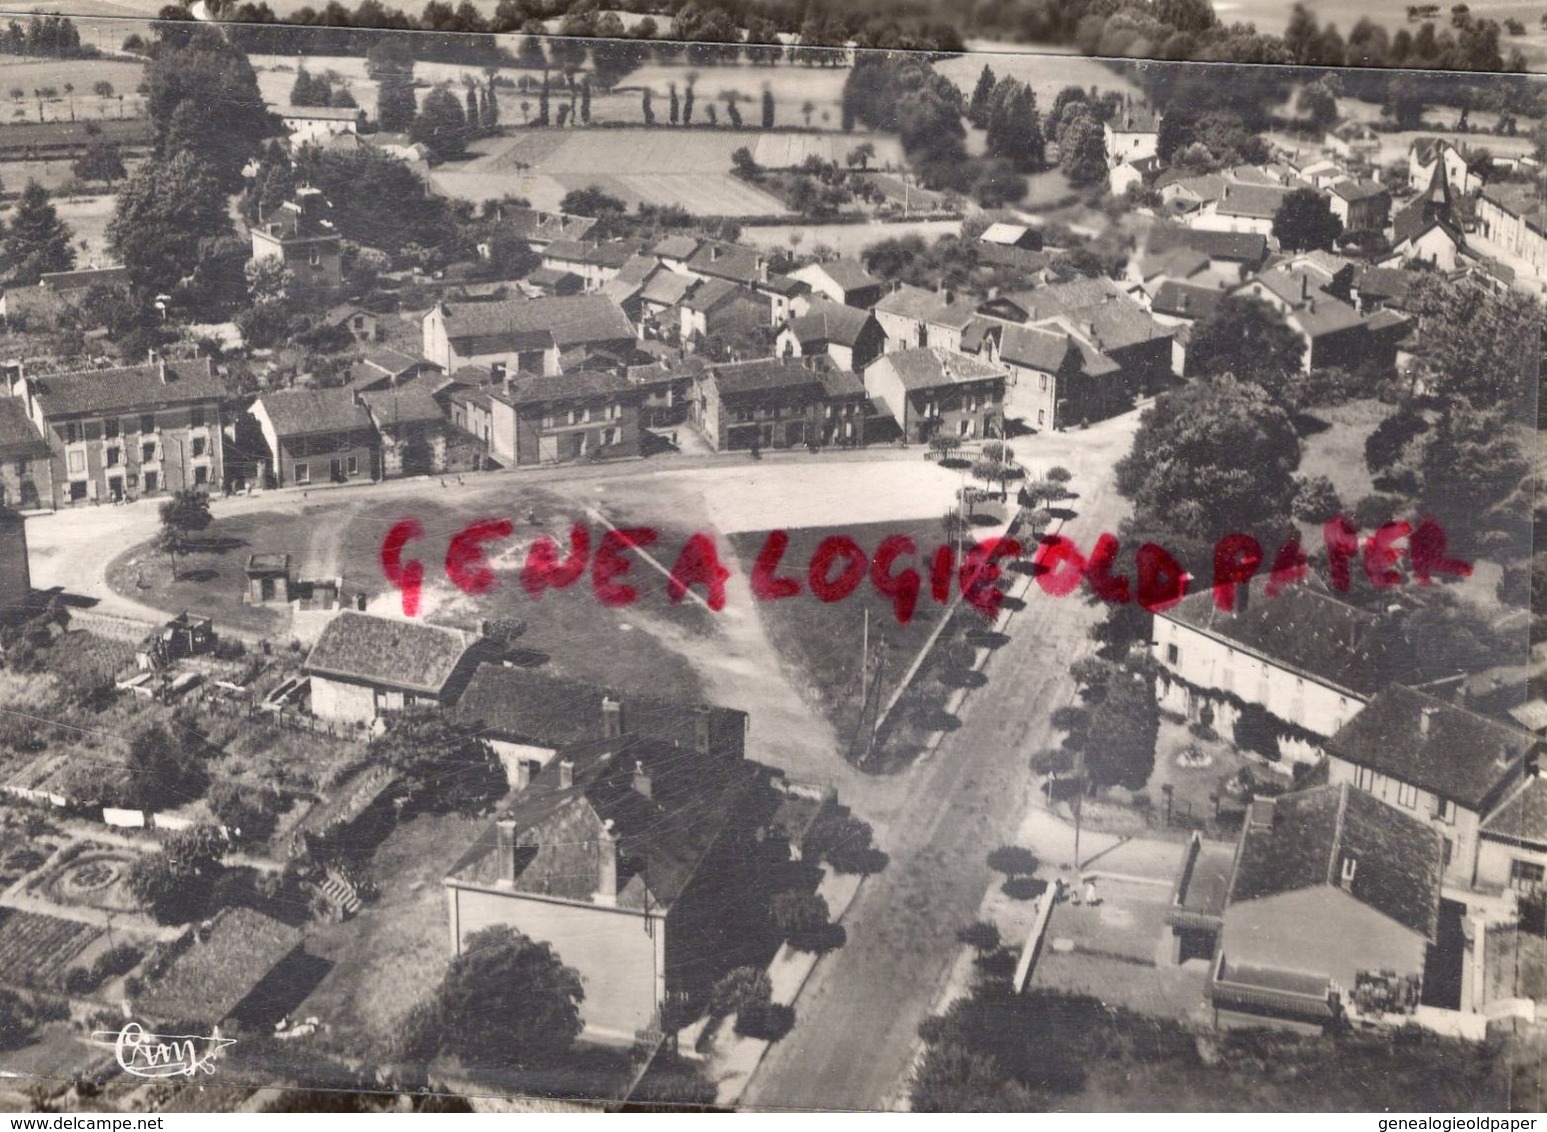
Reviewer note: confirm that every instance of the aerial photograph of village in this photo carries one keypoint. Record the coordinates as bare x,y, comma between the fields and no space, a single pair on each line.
772,556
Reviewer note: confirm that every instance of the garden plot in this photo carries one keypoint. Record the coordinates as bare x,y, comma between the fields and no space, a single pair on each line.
35,949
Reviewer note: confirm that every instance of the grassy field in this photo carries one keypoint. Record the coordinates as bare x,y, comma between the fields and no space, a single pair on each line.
1337,452
845,239
1046,74
29,75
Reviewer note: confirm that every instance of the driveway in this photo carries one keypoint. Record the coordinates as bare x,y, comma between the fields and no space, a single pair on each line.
857,1020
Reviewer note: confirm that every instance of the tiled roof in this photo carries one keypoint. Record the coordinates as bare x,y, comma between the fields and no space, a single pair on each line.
783,285
735,379
390,361
840,382
212,978
1303,629
127,388
410,403
827,321
388,652
18,439
1522,816
1312,834
1259,202
1244,247
930,307
533,225
675,247
572,320
1352,190
1463,756
849,275
1389,283
1184,300
306,412
712,292
1033,347
577,385
930,367
667,288
637,268
1326,315
551,277
569,251
726,261
1178,262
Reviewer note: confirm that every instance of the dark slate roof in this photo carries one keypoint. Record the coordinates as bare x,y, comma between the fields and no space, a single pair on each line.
1033,347
1185,300
580,385
827,321
571,320
526,706
1246,247
570,251
1398,859
1464,757
407,404
1522,816
19,440
930,367
127,388
211,979
388,652
783,285
1304,629
663,839
306,412
739,379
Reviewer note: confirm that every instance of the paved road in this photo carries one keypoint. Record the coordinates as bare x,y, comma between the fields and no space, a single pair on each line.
857,1020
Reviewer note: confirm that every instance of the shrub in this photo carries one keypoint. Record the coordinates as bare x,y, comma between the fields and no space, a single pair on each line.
1023,888
981,936
1013,860
767,1021
1059,474
119,960
1257,730
1316,500
742,989
79,981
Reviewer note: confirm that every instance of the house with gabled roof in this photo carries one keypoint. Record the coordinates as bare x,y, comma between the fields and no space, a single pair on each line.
523,334
1463,166
843,281
364,666
1241,208
1307,659
1351,140
301,236
1426,228
548,418
1512,850
1362,205
852,338
1442,764
413,428
128,431
1333,905
717,305
26,475
767,402
914,318
1232,255
716,259
932,391
316,436
539,229
1132,133
1333,331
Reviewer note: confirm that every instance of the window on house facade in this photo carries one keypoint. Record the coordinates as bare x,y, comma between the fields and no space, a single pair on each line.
609,436
1364,779
148,422
303,473
1523,874
148,452
547,420
77,462
23,467
200,476
150,481
1044,383
198,446
196,418
1448,851
1041,416
72,432
1445,810
112,457
316,257
1407,795
353,466
1173,654
110,429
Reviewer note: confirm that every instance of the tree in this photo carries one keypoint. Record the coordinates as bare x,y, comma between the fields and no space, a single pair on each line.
744,165
165,214
768,109
474,122
1481,346
739,989
102,161
1247,339
446,765
491,106
1120,743
543,99
103,88
1471,464
396,107
1305,222
248,815
182,515
676,109
512,257
38,239
1082,150
591,201
204,98
862,155
1319,105
506,1002
164,769
982,936
977,107
1212,459
687,105
1013,861
1014,128
1316,500
801,918
175,884
441,125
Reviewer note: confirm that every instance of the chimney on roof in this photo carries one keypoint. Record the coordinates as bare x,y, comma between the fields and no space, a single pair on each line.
506,834
566,773
714,253
612,717
607,865
641,779
762,270
1425,721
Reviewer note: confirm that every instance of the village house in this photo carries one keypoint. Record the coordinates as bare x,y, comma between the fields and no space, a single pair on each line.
528,716
847,419
673,252
914,318
546,281
1126,175
660,303
304,240
316,436
543,419
1512,215
633,857
1055,379
469,406
363,667
412,428
787,298
1362,206
311,125
1334,333
1181,304
1231,255
1333,904
594,263
1462,167
1512,849
1436,761
1352,141
129,431
718,306
381,367
770,402
1303,657
1132,133
539,229
362,325
1383,288
931,391
715,259
26,473
852,338
843,281
1241,208
523,334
